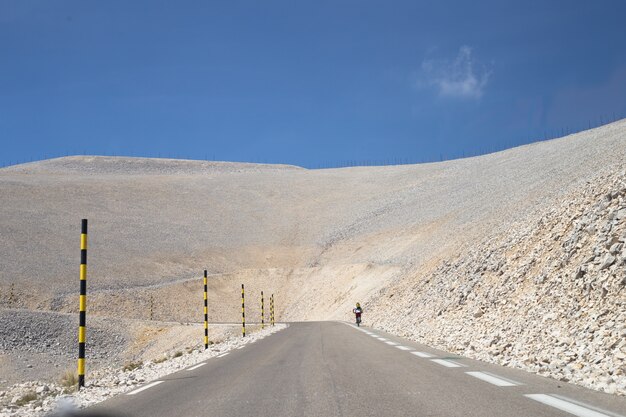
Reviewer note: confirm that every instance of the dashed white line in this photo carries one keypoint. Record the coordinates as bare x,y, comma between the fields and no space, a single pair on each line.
423,354
598,409
389,342
222,355
492,379
447,363
382,339
145,387
241,347
403,347
196,366
567,406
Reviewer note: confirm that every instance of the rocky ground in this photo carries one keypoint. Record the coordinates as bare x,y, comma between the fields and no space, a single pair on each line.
547,295
37,398
38,345
42,344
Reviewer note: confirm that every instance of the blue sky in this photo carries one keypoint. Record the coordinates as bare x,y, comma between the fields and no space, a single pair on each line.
316,83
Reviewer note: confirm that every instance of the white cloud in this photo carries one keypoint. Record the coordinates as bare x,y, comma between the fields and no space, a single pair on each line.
463,77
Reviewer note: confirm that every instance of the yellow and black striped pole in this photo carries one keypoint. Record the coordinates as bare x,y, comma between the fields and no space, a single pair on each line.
272,309
262,311
82,315
206,314
243,313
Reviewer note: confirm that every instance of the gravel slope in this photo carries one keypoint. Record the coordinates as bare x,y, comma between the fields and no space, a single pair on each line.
547,295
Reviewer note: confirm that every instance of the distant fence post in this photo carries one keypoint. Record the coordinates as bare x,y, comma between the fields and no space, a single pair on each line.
82,310
262,311
206,314
243,313
272,309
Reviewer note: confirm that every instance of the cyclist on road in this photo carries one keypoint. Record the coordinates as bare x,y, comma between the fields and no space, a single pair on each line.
357,312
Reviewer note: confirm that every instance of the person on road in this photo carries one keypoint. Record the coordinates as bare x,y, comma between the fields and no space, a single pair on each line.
357,312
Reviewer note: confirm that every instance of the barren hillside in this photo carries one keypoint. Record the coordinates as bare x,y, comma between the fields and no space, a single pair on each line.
546,295
394,238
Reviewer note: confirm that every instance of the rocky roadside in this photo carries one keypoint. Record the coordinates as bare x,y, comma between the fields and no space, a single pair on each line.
37,398
547,295
41,344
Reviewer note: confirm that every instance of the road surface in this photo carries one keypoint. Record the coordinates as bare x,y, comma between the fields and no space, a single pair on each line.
325,369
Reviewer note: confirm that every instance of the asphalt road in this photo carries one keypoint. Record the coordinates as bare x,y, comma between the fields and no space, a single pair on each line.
333,369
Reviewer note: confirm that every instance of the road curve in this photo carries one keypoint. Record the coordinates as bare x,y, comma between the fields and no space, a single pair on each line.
333,369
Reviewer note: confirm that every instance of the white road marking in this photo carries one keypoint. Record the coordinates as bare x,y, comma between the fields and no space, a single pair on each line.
241,347
492,379
423,354
389,342
598,409
222,355
447,363
403,347
567,406
382,339
196,366
150,385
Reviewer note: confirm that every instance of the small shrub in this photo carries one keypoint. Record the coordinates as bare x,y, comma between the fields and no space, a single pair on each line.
160,360
132,366
178,354
69,379
26,398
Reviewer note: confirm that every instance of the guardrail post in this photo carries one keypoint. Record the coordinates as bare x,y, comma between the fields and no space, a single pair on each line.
82,307
243,313
272,309
206,314
262,312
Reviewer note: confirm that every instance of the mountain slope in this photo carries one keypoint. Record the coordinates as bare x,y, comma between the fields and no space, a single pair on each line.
319,239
